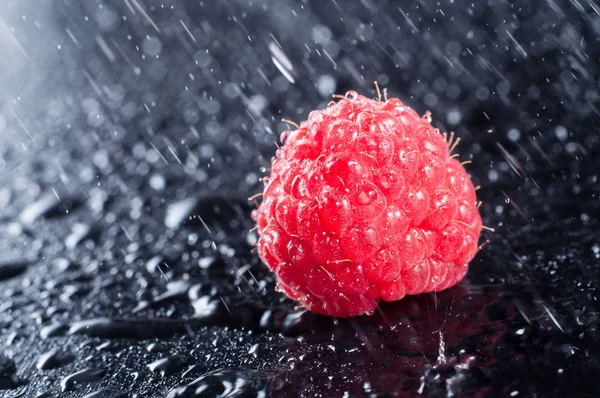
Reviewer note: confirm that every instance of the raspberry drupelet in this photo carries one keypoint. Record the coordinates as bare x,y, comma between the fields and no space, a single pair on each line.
365,203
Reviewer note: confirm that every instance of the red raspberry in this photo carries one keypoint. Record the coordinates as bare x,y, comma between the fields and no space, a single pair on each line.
364,203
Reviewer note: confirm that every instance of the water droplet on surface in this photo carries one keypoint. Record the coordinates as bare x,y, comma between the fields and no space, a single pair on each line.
561,133
127,328
107,18
151,46
106,393
167,366
79,233
257,350
454,116
107,346
37,209
193,370
207,262
54,359
62,264
293,324
157,182
8,377
87,375
53,330
154,264
205,306
9,268
514,134
180,211
224,383
326,85
48,206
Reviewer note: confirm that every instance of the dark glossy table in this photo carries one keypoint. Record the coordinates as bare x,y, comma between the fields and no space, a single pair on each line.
132,133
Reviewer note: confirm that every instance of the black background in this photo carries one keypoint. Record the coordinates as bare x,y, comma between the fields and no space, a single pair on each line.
119,120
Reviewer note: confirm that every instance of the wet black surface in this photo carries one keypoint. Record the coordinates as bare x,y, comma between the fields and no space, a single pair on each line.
131,134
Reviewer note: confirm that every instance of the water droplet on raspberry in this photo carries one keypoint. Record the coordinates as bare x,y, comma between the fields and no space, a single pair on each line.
284,136
351,95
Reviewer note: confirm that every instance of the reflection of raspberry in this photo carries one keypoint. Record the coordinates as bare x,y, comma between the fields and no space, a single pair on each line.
364,202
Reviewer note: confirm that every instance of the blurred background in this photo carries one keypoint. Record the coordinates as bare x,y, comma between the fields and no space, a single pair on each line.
132,133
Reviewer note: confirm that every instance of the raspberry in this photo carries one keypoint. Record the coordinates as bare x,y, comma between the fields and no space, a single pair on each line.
364,203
